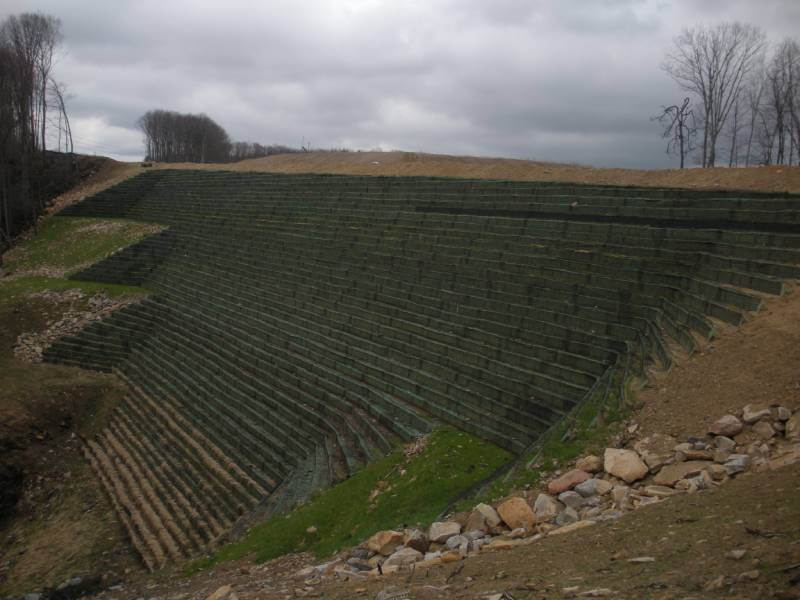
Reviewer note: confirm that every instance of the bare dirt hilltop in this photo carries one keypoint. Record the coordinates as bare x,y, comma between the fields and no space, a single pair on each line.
771,179
765,179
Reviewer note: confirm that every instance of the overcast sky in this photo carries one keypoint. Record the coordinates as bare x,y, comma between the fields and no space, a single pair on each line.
571,80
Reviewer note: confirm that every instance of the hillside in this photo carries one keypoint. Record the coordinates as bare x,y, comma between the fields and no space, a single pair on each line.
352,314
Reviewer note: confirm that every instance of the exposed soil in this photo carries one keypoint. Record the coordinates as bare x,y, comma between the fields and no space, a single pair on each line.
56,521
757,363
773,179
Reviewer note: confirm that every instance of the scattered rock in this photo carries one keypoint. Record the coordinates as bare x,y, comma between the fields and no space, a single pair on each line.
455,542
416,539
516,512
591,463
724,443
489,513
571,498
385,542
736,554
567,481
671,474
567,516
546,507
792,428
728,426
752,413
736,463
440,532
783,413
764,430
594,487
403,557
625,464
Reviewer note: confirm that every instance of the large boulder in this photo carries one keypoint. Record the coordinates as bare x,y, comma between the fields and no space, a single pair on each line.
516,512
625,464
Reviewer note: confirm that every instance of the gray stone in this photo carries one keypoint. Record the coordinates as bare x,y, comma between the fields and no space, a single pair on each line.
728,426
752,413
792,429
567,516
737,463
724,443
671,474
359,564
594,487
454,543
571,499
440,532
764,430
432,555
404,556
362,553
621,494
489,513
474,535
720,455
546,507
783,413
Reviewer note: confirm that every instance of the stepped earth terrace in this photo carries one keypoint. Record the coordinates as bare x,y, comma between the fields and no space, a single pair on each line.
300,326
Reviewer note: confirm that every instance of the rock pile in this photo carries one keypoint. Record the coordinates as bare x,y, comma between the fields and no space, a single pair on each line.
597,489
31,345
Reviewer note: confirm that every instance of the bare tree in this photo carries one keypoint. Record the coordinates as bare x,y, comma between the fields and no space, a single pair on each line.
713,63
27,46
679,128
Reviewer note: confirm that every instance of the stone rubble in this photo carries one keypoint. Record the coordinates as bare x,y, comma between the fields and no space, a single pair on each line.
30,346
656,468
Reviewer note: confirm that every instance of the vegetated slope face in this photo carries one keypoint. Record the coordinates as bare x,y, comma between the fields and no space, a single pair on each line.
300,325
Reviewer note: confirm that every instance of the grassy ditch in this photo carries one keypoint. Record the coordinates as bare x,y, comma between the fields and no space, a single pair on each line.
395,491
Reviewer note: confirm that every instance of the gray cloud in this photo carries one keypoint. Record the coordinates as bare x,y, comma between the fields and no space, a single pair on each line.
565,81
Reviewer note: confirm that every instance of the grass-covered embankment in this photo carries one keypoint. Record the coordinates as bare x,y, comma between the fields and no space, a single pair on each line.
395,491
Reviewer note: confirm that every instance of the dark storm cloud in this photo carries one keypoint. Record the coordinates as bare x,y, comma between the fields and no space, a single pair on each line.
569,81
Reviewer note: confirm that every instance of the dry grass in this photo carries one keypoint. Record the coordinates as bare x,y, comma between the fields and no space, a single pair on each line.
771,179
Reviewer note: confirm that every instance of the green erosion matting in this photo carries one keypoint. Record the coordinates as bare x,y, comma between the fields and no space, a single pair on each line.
302,325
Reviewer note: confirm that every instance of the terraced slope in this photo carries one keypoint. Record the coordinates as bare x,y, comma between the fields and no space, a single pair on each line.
301,325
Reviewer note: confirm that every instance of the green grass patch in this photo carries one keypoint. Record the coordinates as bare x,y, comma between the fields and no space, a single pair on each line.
412,492
13,289
596,422
69,243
